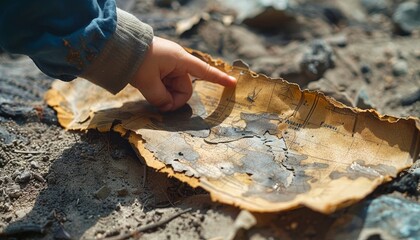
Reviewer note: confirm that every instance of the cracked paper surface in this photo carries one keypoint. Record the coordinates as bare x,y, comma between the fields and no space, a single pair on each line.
264,146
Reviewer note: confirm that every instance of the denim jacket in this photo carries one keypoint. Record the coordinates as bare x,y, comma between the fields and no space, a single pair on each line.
70,38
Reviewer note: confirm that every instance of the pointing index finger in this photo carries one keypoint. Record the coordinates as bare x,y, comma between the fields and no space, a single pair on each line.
203,70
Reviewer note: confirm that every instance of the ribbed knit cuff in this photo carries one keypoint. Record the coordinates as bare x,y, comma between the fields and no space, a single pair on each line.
122,54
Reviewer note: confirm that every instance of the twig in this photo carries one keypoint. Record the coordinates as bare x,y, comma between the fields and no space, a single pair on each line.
148,227
144,175
166,195
28,152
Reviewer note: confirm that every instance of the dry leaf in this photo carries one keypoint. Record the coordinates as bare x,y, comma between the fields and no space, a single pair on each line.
264,146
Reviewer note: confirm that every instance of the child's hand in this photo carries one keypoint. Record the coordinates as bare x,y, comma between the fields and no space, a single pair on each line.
164,79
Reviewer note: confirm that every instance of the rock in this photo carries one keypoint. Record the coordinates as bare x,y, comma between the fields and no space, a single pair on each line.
317,59
406,184
416,172
34,165
123,192
263,14
8,207
185,25
363,101
409,99
20,213
333,15
417,54
8,218
390,216
13,191
339,40
38,177
136,191
102,193
400,68
244,221
24,177
118,207
365,69
5,136
375,6
248,45
7,179
407,17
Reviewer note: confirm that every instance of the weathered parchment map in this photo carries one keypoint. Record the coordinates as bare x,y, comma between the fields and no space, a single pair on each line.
265,146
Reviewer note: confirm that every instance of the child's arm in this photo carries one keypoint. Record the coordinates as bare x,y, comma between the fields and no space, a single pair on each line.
111,48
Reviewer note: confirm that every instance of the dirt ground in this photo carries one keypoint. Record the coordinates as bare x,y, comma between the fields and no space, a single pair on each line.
57,184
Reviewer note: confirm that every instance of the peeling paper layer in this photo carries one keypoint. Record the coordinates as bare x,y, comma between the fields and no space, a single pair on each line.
265,146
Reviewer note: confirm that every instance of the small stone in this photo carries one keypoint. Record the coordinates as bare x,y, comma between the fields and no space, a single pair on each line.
123,192
8,218
15,174
400,68
20,213
411,98
7,179
24,177
375,6
364,68
317,59
5,136
339,40
417,54
102,193
117,154
7,207
363,100
406,184
34,165
294,225
38,177
118,207
136,191
416,172
395,216
14,191
407,17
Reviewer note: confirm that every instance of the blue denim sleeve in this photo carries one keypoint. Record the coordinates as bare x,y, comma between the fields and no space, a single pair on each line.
61,36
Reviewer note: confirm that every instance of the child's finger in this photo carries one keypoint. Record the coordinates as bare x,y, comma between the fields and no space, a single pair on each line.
180,89
204,71
156,94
